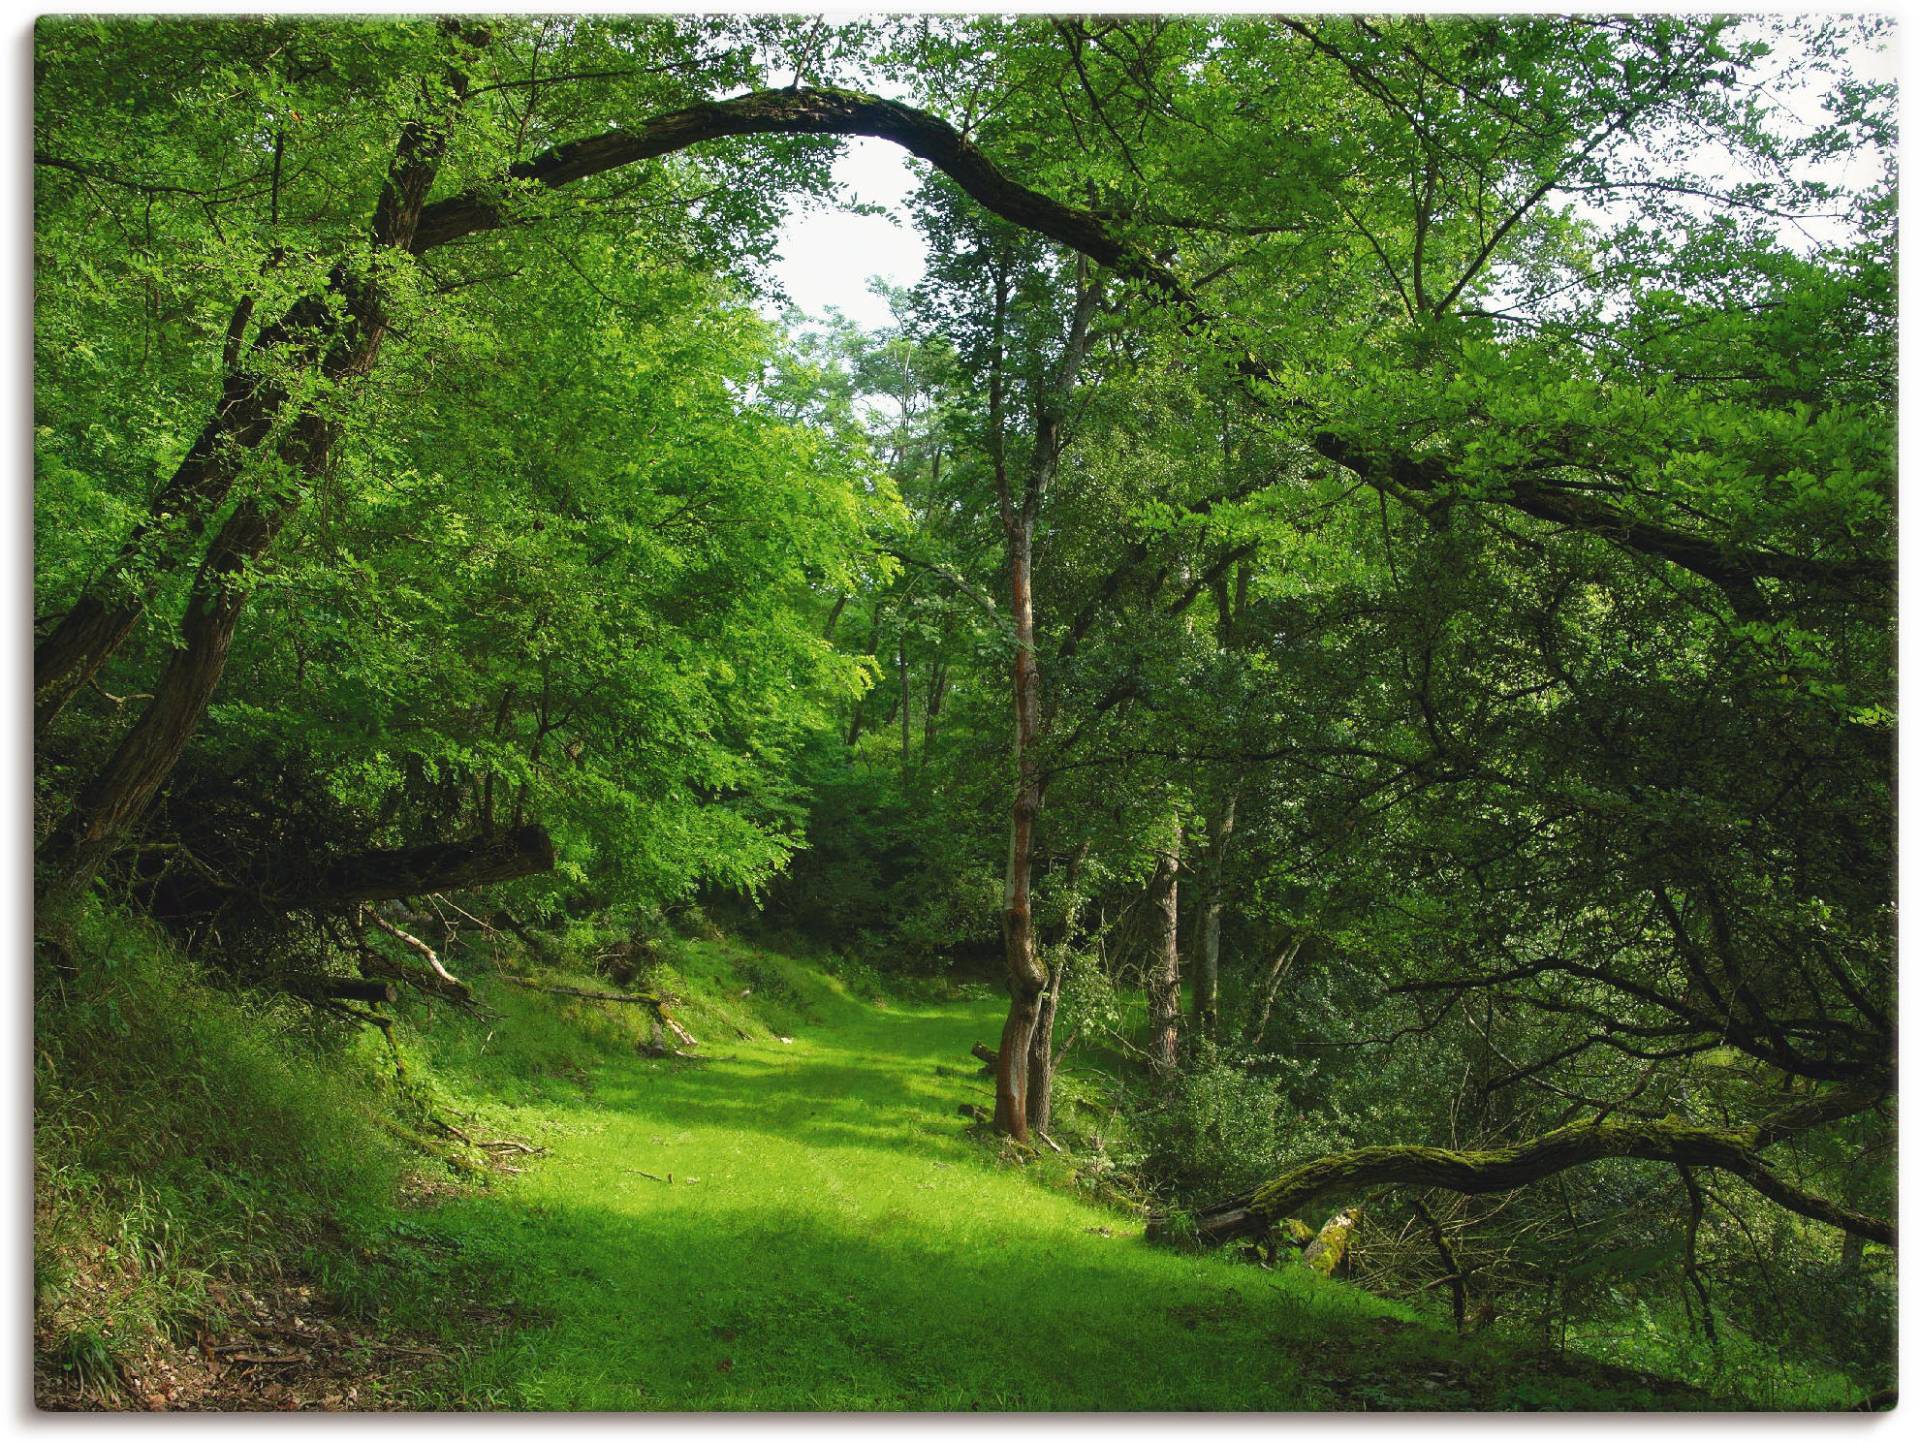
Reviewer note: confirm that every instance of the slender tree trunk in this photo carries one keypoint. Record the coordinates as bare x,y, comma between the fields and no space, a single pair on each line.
936,694
1163,974
1270,986
860,702
1042,1064
1206,976
1026,977
1019,517
906,711
107,611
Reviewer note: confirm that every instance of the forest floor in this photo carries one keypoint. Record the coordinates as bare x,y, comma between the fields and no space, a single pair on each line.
794,1218
808,1224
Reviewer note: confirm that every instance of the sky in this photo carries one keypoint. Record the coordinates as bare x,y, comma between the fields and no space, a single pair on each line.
827,255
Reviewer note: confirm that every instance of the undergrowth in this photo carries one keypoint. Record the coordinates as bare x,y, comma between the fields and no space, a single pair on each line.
788,1215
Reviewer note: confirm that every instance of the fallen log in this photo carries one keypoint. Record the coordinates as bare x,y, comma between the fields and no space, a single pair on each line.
1328,1250
285,883
986,1054
386,875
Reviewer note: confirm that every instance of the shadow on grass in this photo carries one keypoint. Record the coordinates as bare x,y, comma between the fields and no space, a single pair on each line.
831,1240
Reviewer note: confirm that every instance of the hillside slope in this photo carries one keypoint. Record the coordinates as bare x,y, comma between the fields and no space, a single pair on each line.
796,1218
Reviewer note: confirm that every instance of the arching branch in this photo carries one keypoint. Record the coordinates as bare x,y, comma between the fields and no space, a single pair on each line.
824,111
1502,1169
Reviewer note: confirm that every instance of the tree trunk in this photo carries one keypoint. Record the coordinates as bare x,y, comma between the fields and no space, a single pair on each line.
1163,968
109,806
1045,1059
1503,1169
1206,976
860,702
1270,985
118,796
245,417
1026,977
906,710
1041,1064
104,615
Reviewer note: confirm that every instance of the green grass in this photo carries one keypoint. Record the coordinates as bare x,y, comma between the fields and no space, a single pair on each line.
832,1236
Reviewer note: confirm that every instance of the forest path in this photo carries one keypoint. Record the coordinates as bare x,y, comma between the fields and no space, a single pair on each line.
832,1238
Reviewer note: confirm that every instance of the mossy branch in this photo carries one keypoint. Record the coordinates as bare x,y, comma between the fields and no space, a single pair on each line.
1502,1169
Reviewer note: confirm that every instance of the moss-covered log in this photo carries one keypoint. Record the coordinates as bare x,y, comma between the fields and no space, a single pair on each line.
1502,1169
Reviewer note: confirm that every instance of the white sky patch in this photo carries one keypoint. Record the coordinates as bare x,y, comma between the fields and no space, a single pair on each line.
827,256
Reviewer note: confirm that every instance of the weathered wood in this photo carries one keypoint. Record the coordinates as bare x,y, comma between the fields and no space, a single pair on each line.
1328,1250
423,951
1731,1149
987,1055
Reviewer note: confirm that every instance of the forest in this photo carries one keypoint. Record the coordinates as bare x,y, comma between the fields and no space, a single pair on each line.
1278,796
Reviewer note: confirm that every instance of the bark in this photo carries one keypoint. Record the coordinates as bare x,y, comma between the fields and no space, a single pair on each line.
1163,970
119,795
1206,976
1731,1149
840,112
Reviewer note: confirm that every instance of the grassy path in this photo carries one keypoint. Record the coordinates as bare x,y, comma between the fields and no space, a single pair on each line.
831,1239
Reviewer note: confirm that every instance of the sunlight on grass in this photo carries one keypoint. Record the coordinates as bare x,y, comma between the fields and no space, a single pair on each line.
831,1238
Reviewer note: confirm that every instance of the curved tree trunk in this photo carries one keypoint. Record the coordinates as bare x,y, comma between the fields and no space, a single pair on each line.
1731,1149
109,805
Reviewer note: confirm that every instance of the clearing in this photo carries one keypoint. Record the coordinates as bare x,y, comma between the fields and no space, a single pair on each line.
832,1238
